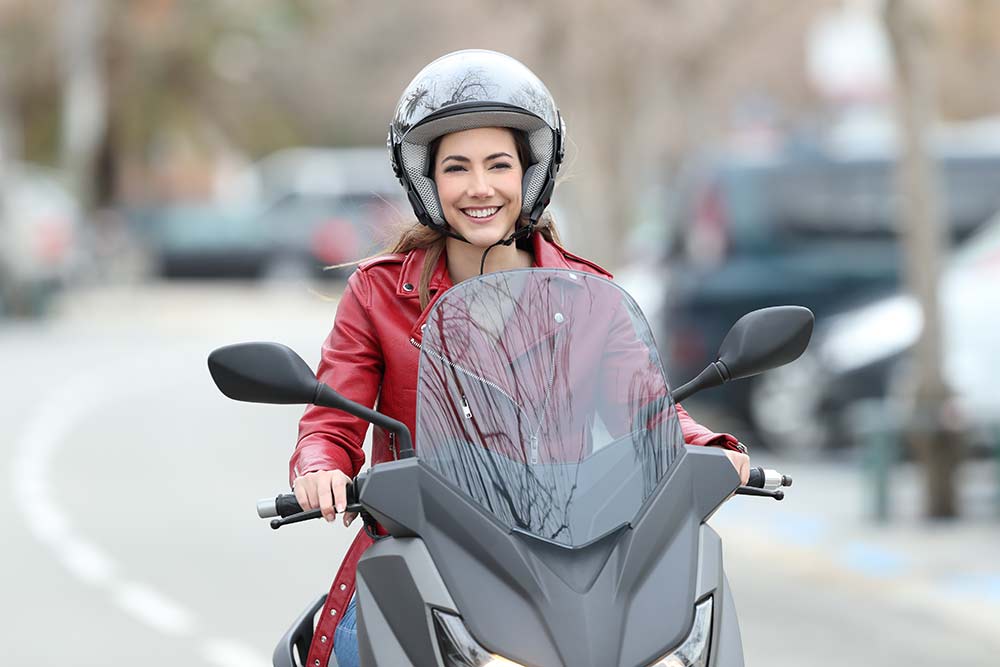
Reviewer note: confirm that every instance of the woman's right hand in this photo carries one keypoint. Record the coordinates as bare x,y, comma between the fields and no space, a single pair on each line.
326,490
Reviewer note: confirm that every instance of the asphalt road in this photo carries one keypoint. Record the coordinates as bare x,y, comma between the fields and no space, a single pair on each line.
129,486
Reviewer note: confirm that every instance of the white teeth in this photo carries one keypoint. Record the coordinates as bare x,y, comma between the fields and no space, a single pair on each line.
481,212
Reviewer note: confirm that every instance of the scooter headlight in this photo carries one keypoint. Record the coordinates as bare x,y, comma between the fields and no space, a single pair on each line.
460,649
693,651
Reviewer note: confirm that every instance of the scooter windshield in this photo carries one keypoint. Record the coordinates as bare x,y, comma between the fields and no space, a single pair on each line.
542,397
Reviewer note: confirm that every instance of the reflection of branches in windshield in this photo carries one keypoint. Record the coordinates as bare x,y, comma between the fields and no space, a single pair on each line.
499,371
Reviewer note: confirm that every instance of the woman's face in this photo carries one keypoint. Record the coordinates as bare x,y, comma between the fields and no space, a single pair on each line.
478,177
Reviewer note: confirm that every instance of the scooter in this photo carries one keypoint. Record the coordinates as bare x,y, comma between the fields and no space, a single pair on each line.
543,520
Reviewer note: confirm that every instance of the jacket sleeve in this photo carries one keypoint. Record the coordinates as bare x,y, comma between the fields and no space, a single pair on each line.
696,434
631,377
352,363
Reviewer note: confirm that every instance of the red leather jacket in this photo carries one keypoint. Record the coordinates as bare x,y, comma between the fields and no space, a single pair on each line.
372,353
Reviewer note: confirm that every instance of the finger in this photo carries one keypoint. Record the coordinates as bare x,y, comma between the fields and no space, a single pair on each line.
340,492
309,482
742,464
325,491
349,518
744,468
299,489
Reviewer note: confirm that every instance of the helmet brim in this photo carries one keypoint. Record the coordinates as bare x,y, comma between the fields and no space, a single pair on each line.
458,121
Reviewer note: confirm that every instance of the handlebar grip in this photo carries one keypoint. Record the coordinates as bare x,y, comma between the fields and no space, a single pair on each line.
282,505
768,479
287,504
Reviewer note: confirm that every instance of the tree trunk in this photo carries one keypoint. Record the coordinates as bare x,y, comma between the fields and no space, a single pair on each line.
85,106
922,234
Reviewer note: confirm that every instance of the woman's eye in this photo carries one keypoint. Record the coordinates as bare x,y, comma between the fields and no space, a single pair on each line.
454,167
501,165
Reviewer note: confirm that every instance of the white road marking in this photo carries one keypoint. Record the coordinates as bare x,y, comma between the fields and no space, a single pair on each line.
50,428
154,609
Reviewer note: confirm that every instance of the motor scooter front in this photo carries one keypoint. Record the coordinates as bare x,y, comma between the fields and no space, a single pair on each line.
454,585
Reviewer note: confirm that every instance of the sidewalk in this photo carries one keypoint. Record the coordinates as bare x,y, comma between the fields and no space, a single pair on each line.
824,532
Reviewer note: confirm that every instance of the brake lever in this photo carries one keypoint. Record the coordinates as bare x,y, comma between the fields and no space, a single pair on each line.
754,491
306,516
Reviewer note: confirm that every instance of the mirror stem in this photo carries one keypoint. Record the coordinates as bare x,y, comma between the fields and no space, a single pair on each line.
714,374
328,398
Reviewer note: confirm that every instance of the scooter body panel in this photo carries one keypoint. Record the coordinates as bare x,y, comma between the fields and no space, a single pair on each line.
398,586
625,599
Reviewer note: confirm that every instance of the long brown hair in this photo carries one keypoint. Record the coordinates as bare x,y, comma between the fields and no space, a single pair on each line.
414,235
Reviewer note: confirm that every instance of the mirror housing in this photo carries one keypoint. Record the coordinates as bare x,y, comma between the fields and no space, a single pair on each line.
274,373
759,341
263,373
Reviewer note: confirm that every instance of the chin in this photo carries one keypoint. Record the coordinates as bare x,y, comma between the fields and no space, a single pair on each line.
484,237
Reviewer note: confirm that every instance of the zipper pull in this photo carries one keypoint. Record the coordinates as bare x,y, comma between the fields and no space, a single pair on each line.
533,443
392,446
465,407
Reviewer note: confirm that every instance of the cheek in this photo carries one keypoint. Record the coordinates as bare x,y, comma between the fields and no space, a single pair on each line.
512,186
447,192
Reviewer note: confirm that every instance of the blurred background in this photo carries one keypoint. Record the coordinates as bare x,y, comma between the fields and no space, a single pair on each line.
175,176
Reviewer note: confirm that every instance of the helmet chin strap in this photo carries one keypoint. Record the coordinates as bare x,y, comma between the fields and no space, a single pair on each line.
517,235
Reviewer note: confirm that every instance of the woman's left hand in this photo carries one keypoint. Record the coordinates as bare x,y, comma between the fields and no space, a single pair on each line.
741,462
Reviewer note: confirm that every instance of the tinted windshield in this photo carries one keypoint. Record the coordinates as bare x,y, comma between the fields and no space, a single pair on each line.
542,397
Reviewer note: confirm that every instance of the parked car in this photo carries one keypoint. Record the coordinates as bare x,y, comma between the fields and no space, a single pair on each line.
41,237
867,353
308,234
326,206
812,229
204,240
296,212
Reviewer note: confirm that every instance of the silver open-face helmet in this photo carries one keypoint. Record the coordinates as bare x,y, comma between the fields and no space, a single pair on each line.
465,90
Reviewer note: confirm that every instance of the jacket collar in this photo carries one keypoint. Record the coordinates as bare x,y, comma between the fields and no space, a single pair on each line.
547,255
409,277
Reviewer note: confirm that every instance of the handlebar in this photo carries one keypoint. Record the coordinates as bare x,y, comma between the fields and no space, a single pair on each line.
286,506
768,479
765,482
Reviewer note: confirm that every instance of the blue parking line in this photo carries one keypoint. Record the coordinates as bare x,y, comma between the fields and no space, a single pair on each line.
873,561
800,530
984,585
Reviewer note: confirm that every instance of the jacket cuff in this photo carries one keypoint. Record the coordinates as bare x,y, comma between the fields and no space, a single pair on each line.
317,457
726,441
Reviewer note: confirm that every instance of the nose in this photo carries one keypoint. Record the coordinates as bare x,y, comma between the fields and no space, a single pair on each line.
479,185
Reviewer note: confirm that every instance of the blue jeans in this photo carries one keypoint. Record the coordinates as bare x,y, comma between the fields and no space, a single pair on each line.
345,637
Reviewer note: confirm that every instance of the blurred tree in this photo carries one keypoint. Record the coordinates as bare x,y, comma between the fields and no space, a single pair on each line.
84,101
968,58
642,84
922,232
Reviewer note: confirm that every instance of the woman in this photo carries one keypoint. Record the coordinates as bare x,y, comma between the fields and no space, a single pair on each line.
476,142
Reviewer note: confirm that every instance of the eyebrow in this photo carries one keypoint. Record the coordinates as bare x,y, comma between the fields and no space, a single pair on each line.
462,158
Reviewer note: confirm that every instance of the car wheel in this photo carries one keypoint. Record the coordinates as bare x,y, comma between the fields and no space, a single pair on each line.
784,407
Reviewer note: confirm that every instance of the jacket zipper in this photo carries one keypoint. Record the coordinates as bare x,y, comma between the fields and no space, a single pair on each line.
392,445
533,439
439,357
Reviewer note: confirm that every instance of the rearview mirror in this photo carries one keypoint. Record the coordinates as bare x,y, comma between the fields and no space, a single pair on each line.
263,373
274,373
759,341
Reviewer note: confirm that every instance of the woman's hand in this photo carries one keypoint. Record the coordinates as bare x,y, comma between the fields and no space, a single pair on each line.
741,462
326,490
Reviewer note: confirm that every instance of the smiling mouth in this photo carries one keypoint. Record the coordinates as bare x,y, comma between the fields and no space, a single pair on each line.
481,214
